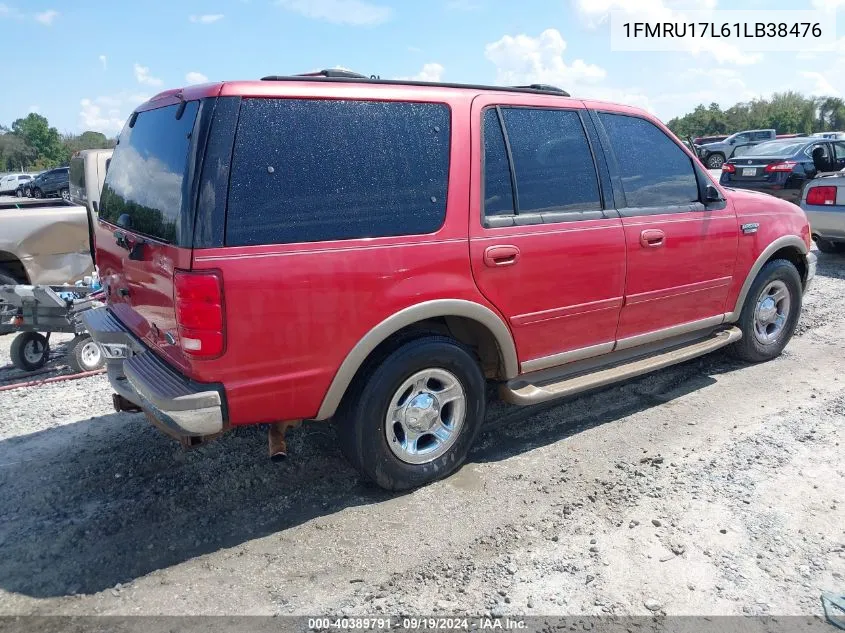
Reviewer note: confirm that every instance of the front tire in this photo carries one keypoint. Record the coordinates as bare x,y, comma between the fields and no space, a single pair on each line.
715,161
770,313
412,418
37,194
18,193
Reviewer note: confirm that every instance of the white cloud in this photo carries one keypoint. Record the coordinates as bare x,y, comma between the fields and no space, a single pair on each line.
108,113
103,61
822,87
145,180
208,18
143,76
352,12
598,11
430,72
194,77
828,5
523,59
46,17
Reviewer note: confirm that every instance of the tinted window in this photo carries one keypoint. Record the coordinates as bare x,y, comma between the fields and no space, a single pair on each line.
839,149
145,189
655,172
552,160
24,177
313,170
77,173
498,189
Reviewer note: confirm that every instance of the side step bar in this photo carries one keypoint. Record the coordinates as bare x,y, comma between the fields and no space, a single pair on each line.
522,391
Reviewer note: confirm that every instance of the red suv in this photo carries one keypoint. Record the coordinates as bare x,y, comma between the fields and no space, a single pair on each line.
378,251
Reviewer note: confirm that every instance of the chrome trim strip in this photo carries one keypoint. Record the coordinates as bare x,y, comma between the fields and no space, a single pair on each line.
676,291
675,330
566,357
408,316
566,311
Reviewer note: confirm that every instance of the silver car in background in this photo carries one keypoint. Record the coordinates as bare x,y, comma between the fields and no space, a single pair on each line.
823,200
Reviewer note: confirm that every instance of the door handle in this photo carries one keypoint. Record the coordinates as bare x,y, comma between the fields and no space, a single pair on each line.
498,256
652,238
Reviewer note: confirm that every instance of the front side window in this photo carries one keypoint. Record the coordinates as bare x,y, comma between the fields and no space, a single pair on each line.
316,170
654,171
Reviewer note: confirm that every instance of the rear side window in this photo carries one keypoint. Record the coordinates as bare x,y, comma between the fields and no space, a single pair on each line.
498,189
552,161
316,170
655,172
145,185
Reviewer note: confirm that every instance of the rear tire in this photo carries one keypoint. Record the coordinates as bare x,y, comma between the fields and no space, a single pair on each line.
30,351
715,161
19,193
432,389
770,313
65,194
827,246
84,355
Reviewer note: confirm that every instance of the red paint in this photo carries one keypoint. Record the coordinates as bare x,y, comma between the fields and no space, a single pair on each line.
293,312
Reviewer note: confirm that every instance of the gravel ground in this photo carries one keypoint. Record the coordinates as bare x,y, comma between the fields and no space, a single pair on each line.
707,488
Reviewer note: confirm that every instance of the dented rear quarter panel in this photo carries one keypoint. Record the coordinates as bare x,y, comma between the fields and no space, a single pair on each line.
50,242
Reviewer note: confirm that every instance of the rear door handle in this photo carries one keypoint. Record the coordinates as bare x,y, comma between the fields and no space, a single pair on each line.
652,238
498,256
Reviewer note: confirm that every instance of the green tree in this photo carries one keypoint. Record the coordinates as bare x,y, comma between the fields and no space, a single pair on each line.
15,154
36,132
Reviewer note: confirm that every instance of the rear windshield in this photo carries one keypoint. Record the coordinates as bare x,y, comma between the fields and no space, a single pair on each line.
145,184
774,149
306,171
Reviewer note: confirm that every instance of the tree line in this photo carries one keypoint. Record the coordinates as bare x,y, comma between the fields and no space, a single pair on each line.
31,144
786,112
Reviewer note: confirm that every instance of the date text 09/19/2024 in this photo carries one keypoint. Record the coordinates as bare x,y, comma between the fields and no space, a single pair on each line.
757,30
417,624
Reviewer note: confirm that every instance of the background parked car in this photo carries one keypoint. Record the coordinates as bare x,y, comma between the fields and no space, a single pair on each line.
24,189
54,182
714,155
836,136
823,200
782,167
10,182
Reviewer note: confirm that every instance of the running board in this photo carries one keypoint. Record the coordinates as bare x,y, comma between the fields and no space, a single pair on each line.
521,391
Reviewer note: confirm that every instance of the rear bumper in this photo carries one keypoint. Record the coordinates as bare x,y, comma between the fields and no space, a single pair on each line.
183,406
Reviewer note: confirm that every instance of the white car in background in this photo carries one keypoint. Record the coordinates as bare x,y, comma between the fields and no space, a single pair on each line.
10,182
836,136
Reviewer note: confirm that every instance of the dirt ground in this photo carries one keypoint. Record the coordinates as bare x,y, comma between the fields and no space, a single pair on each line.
713,487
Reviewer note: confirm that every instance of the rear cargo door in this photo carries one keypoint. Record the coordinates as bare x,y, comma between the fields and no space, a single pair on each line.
143,232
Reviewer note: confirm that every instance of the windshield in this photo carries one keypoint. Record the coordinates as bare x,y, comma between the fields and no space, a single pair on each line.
143,191
775,149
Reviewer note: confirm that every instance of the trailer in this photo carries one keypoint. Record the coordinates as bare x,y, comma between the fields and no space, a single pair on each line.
34,312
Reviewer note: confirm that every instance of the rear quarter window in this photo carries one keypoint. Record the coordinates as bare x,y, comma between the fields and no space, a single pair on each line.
315,170
145,184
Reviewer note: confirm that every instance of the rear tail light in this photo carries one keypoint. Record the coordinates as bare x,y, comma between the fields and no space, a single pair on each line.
821,195
199,313
728,168
785,165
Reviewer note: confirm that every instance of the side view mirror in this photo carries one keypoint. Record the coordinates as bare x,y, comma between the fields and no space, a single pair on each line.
711,194
732,141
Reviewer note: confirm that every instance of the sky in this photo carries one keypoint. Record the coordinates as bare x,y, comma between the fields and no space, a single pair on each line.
86,64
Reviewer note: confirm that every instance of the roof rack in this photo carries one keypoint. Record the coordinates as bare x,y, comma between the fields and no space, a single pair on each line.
340,75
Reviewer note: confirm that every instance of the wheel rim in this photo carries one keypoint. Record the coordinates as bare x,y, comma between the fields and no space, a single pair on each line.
425,416
38,194
771,312
65,194
90,355
33,352
716,162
